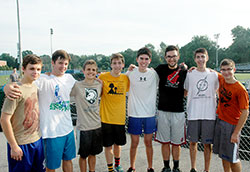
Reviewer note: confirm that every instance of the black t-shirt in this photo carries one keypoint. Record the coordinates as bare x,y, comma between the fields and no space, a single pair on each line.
171,88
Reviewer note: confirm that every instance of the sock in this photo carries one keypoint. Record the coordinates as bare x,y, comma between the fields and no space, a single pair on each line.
110,167
117,162
176,164
166,163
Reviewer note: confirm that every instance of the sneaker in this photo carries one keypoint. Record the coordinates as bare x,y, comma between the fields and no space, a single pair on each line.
166,169
176,170
151,170
193,170
131,170
119,168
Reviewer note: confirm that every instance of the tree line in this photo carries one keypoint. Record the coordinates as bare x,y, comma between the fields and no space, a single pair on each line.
239,51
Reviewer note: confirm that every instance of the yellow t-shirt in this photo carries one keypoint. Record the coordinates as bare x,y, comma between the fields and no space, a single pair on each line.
113,99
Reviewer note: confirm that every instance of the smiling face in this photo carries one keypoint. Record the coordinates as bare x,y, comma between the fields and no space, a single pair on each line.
117,65
227,72
32,72
201,60
172,58
90,71
143,61
59,67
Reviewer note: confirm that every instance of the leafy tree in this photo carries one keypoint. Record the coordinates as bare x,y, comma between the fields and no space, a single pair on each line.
46,62
11,61
239,50
187,51
26,52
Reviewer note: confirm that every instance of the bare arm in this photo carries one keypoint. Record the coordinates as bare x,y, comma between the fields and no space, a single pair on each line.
239,126
12,91
16,152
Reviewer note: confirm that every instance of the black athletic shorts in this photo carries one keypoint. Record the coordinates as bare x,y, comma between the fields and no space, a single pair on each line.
113,134
89,142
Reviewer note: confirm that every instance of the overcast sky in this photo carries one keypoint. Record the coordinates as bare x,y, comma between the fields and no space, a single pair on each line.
109,26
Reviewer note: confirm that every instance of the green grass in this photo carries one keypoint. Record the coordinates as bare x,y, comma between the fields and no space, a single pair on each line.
242,76
4,79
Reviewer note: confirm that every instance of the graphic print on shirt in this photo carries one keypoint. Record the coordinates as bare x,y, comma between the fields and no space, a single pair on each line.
172,79
91,95
58,103
225,96
143,79
116,88
202,85
31,113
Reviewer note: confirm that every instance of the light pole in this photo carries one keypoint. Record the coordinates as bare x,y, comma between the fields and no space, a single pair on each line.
216,36
19,40
51,33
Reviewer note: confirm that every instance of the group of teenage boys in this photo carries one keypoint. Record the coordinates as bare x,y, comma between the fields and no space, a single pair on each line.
106,126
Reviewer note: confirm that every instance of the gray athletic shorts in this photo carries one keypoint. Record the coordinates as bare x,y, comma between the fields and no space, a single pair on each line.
171,128
222,142
201,130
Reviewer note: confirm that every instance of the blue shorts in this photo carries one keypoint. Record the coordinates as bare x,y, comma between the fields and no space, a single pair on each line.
59,148
32,160
137,125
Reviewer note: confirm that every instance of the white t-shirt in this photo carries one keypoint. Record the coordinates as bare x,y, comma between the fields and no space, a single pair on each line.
142,93
201,100
54,105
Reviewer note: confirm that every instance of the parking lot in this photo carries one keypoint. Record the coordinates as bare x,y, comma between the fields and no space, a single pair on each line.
141,162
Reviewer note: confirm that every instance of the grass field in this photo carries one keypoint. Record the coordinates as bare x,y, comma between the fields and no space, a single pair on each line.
242,76
4,79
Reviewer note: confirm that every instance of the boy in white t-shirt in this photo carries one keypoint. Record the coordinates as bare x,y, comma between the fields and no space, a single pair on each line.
55,116
142,106
201,85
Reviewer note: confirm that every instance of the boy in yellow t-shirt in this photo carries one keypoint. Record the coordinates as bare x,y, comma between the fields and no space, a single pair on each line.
113,110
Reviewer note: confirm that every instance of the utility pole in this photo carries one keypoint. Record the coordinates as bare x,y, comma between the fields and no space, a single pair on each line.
51,33
19,40
216,36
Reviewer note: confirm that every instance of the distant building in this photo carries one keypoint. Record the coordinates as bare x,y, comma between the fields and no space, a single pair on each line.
3,63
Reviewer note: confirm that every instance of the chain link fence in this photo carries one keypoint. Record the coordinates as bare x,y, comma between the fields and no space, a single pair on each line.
244,148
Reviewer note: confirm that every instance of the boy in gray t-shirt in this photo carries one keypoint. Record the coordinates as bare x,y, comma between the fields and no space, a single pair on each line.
89,135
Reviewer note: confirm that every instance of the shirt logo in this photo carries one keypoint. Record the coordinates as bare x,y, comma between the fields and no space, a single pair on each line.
91,95
58,103
142,79
225,96
202,85
172,79
114,89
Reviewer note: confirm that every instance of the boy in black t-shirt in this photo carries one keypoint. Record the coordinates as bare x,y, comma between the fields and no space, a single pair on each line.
171,118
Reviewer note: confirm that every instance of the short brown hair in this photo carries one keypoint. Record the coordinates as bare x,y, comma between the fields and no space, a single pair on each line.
117,56
227,62
200,50
89,62
144,50
60,54
31,59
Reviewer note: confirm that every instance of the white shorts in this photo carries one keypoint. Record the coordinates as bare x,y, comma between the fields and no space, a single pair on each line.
171,128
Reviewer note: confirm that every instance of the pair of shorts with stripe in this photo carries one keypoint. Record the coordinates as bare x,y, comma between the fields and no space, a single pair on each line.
58,149
201,130
89,142
113,134
222,142
32,160
138,125
171,128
